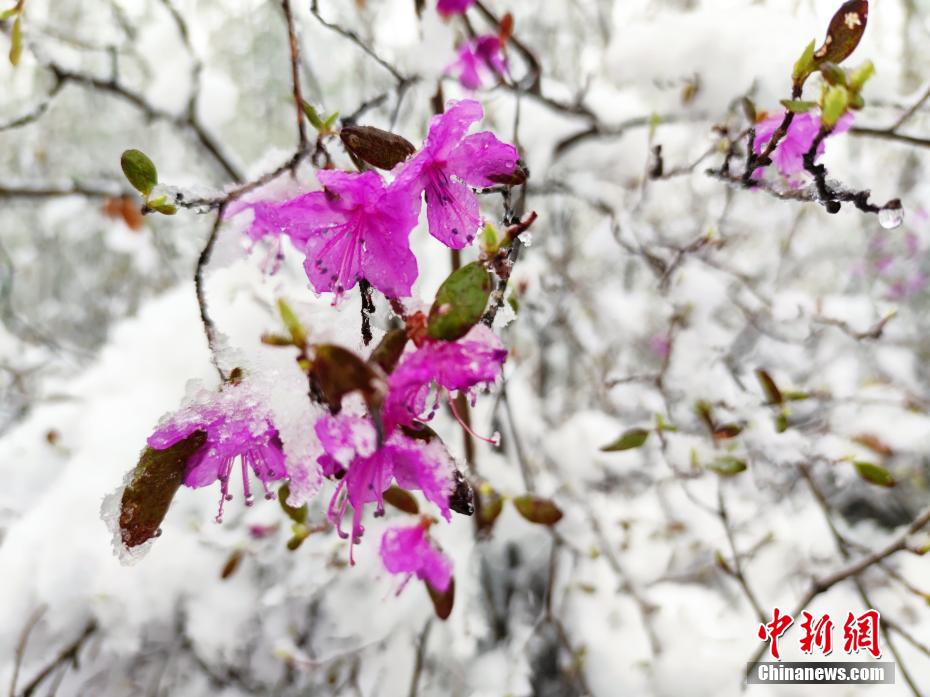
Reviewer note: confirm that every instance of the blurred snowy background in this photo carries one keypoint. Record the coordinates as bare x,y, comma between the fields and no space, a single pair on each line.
638,299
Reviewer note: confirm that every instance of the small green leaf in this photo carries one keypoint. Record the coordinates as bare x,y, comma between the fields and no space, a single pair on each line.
805,65
727,466
798,106
460,302
140,171
835,101
634,438
781,422
875,474
537,510
292,323
298,515
833,74
6,14
154,482
442,601
402,500
328,123
161,205
488,506
861,75
313,117
16,40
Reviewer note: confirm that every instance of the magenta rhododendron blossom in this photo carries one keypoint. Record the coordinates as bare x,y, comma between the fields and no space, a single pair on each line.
449,163
356,228
365,471
409,550
478,59
474,360
238,427
789,154
453,7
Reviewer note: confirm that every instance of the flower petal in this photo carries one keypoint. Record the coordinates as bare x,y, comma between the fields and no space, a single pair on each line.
482,160
333,262
451,210
446,130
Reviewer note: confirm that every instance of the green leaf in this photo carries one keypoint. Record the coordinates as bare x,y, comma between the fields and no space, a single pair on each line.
402,500
844,33
634,438
460,302
292,323
798,106
833,74
140,171
781,422
537,510
328,123
161,205
298,515
6,14
805,65
442,601
875,474
488,506
154,482
835,101
313,117
16,40
727,466
861,75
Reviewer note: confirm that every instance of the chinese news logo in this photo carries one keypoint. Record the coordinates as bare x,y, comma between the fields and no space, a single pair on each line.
859,633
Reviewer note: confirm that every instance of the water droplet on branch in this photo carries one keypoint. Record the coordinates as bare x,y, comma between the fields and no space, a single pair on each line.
891,216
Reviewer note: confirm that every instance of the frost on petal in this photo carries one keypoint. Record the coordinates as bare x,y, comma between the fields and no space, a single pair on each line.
297,218
446,130
481,160
238,427
344,437
451,7
451,210
408,550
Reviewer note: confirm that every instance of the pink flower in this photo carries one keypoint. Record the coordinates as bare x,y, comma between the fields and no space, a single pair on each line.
355,229
479,58
474,360
453,7
448,164
238,427
408,550
789,154
365,471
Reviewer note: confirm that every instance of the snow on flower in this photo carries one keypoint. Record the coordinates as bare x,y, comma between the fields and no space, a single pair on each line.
479,59
238,427
474,360
356,228
449,163
452,7
409,550
365,471
789,154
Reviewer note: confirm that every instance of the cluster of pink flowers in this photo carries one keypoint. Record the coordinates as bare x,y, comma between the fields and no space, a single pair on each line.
358,227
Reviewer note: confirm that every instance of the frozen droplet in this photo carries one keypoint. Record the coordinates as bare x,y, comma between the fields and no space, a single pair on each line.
891,216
